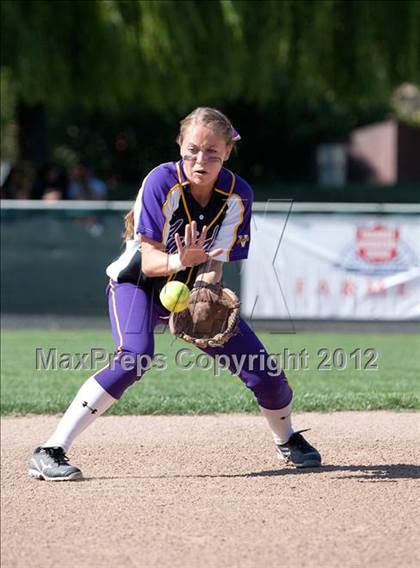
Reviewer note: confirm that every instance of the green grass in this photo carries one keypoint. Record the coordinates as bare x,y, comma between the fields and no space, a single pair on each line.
395,385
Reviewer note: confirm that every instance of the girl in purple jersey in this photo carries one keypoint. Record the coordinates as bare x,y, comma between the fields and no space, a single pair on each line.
189,218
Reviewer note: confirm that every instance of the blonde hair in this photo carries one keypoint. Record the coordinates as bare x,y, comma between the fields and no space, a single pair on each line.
213,119
204,116
129,225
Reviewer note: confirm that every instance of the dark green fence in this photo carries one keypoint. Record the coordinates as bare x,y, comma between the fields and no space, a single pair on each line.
53,261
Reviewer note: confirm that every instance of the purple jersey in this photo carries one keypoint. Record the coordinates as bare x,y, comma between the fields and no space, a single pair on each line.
164,206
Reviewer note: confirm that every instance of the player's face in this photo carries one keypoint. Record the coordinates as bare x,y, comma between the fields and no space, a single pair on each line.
203,152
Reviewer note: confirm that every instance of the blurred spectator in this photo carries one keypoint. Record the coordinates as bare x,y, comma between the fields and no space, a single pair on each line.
5,168
51,183
84,184
16,184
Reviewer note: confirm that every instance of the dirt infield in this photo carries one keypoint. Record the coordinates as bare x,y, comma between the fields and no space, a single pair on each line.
164,491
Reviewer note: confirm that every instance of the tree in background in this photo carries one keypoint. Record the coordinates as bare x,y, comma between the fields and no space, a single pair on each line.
323,63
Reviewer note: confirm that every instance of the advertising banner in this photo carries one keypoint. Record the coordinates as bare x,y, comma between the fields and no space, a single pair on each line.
333,266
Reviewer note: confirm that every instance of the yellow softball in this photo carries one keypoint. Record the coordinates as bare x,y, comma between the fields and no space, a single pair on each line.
174,296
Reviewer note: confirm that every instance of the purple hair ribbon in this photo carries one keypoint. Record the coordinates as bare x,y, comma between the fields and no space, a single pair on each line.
235,135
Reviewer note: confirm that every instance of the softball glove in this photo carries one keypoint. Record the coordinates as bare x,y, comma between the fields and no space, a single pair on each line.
211,317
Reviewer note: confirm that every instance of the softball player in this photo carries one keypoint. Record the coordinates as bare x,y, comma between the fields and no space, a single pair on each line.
189,218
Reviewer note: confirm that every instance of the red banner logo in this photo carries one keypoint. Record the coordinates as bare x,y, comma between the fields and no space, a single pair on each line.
377,244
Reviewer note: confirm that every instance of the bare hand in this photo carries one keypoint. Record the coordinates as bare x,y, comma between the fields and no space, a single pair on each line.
192,251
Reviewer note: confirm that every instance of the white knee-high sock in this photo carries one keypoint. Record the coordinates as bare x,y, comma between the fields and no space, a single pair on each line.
280,423
90,402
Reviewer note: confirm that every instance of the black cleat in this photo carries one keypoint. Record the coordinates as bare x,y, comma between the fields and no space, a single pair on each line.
52,464
298,452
